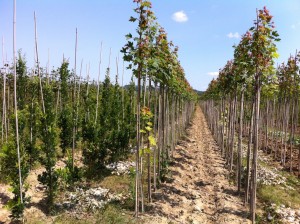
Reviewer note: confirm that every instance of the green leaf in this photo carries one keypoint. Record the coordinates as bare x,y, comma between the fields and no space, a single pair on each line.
147,150
148,128
142,131
146,4
152,140
132,19
128,36
275,55
149,124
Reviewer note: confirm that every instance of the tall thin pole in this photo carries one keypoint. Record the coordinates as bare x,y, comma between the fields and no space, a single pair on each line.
16,105
3,104
98,84
109,58
74,104
38,64
256,133
117,66
78,96
4,124
123,103
3,51
48,67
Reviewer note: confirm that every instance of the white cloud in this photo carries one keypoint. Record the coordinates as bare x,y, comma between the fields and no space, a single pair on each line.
180,17
295,25
233,35
213,73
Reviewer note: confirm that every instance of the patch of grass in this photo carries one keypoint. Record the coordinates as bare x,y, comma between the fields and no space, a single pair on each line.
110,214
279,195
121,184
291,180
117,184
30,221
65,219
113,214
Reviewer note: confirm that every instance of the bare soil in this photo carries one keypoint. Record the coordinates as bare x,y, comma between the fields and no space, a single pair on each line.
198,190
36,210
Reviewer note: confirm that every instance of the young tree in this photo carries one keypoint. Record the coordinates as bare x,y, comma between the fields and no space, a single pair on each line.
263,52
65,118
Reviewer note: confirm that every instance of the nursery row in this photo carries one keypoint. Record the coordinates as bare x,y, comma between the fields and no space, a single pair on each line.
50,115
256,103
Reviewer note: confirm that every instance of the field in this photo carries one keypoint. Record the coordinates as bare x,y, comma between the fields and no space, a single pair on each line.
75,149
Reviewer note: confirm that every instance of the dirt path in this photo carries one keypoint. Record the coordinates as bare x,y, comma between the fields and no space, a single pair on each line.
198,191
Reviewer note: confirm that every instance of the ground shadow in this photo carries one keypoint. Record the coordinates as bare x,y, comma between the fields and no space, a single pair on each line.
41,205
177,162
225,210
201,183
231,192
184,155
4,198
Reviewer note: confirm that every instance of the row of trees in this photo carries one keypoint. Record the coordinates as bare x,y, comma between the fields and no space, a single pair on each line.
164,101
59,113
67,112
255,102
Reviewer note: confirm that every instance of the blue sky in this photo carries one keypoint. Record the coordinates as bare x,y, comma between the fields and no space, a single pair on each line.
204,30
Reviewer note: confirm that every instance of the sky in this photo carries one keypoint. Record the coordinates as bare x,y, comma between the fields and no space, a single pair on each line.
204,30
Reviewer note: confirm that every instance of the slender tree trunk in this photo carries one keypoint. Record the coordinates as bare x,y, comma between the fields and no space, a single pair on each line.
16,105
250,140
223,116
98,86
159,130
239,166
255,149
267,128
155,134
74,105
173,142
38,64
292,135
229,127
148,154
4,110
273,120
138,109
232,142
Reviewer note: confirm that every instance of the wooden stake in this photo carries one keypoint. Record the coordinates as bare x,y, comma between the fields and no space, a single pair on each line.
74,104
98,82
16,103
38,64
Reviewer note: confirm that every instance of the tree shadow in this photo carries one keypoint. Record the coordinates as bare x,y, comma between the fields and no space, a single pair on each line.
180,160
184,155
158,211
169,190
97,174
231,192
201,183
41,205
154,209
4,198
227,210
57,208
177,162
